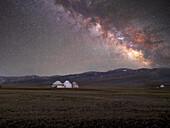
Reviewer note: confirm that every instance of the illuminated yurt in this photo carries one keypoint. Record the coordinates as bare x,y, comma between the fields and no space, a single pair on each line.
75,85
67,84
162,86
57,84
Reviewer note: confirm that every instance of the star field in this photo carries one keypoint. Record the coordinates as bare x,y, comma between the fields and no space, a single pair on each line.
49,37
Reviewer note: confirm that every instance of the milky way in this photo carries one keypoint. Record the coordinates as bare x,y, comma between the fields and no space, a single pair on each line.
47,37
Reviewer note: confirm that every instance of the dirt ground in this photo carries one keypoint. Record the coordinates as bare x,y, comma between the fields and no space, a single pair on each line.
85,107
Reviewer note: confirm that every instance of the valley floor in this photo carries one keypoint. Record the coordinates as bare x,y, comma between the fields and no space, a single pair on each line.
86,107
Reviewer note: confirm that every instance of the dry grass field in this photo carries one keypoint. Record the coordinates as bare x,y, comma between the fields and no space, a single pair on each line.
86,107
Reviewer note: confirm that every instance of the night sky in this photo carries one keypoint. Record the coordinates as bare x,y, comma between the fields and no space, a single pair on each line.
49,37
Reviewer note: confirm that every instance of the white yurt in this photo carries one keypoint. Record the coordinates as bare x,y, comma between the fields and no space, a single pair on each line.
57,84
162,86
75,85
67,84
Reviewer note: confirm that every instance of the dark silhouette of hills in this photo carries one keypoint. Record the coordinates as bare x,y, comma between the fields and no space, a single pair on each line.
118,77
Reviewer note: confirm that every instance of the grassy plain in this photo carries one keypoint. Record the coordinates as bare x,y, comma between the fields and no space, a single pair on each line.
85,107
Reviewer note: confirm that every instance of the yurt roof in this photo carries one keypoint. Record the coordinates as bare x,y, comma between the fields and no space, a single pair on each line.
57,82
74,83
67,83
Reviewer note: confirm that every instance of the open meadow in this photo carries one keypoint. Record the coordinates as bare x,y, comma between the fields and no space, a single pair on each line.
85,107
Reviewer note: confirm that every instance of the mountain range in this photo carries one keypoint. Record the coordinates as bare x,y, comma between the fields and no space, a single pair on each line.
119,77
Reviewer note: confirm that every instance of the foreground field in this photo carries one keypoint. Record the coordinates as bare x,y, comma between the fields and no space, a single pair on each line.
88,107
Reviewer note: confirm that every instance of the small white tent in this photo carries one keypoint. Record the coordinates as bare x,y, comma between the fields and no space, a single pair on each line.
75,85
67,84
57,84
162,86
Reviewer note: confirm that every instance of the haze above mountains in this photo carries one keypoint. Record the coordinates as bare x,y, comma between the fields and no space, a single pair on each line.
119,77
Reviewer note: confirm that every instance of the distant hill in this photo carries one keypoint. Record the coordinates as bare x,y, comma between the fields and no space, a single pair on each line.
119,77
